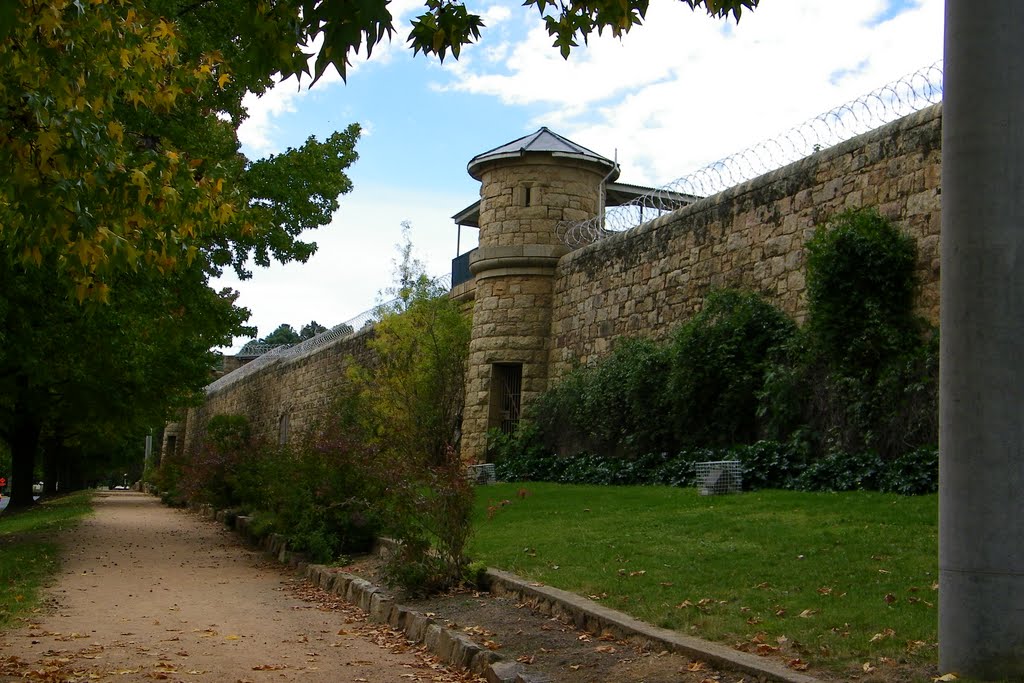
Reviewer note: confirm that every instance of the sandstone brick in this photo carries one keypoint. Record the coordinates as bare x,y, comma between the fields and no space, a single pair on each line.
642,283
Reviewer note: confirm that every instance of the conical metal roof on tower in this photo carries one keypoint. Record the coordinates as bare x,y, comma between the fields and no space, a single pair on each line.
544,141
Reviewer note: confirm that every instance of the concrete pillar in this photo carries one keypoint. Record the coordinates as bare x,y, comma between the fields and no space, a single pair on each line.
523,198
981,435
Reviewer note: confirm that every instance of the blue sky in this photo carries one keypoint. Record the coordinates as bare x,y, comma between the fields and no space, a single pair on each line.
677,93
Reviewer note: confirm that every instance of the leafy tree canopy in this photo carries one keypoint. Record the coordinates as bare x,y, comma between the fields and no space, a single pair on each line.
118,143
118,117
310,330
122,183
284,334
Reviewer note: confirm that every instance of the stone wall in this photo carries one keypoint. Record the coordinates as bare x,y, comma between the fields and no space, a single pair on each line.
646,281
290,393
522,202
537,306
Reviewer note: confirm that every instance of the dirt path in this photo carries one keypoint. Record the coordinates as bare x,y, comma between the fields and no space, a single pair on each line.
151,593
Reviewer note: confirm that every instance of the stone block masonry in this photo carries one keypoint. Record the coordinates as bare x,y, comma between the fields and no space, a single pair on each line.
287,397
647,281
539,309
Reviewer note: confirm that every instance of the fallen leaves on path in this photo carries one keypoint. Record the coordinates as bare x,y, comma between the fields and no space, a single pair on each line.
427,667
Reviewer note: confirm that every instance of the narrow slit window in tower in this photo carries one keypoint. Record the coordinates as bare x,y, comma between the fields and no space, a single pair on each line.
282,429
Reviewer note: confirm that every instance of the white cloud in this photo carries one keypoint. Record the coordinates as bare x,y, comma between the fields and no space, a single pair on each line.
258,132
495,14
684,90
677,93
497,53
354,260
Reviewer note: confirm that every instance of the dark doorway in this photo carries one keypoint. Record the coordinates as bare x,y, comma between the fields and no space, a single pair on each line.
506,389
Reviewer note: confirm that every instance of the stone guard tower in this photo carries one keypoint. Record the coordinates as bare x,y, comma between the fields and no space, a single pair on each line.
527,187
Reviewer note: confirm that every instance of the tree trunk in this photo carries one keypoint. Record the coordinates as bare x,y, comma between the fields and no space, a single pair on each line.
981,396
24,444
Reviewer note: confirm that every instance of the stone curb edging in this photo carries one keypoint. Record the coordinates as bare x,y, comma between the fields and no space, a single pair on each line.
450,646
588,615
457,649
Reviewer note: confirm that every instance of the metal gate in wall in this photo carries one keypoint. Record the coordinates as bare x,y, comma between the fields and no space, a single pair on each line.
507,380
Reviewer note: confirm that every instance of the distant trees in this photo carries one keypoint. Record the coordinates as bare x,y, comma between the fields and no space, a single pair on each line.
122,191
310,330
285,334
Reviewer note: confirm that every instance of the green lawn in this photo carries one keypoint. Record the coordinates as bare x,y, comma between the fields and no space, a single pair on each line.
28,556
846,578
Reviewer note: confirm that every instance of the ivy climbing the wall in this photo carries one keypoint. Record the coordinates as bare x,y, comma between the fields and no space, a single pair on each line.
863,373
850,398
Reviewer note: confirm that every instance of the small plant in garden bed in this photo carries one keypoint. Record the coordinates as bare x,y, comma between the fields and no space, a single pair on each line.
845,578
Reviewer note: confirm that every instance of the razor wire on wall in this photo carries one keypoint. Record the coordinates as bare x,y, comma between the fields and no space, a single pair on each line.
271,354
895,100
902,97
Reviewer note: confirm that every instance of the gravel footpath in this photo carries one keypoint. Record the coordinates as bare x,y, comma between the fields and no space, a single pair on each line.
148,593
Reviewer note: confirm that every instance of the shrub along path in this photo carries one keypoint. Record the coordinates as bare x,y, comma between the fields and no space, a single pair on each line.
147,592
